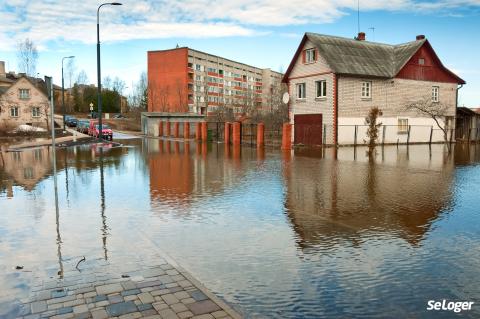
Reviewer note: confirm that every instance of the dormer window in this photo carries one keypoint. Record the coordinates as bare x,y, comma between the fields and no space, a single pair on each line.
24,94
421,61
310,55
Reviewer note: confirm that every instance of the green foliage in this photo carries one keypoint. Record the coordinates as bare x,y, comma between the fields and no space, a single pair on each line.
373,126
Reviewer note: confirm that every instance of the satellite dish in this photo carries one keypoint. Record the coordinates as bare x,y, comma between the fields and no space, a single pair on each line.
285,97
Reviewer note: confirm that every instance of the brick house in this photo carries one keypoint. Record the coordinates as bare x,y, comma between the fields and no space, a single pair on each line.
23,100
339,80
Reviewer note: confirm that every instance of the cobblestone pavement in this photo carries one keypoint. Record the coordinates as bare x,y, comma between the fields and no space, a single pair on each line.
140,289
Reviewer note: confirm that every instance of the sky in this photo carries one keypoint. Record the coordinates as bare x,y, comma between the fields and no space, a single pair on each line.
263,33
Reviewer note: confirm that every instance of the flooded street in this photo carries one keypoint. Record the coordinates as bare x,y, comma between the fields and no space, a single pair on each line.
312,234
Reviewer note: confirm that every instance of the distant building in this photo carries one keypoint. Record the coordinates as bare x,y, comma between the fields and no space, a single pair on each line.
340,80
467,127
184,80
23,100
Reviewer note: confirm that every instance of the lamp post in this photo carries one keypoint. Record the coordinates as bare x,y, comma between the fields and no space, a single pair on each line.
99,76
63,91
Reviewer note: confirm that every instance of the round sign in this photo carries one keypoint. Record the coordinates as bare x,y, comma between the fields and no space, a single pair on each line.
286,97
91,106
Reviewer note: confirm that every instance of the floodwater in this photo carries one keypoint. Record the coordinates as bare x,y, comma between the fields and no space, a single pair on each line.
311,234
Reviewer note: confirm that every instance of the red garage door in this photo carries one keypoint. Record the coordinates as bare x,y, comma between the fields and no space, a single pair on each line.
308,129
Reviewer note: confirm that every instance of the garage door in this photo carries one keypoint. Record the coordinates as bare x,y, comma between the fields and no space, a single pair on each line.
308,129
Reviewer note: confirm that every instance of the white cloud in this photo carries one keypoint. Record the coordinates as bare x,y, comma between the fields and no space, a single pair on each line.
57,20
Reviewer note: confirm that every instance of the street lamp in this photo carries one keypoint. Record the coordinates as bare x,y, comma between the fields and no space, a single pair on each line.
99,76
63,91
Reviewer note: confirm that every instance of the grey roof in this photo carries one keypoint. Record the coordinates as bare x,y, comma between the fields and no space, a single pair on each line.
353,57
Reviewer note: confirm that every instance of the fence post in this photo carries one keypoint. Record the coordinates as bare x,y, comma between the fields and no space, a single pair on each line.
226,134
431,134
408,134
469,132
236,133
204,131
198,131
186,130
160,128
260,134
167,128
384,129
287,136
355,136
251,134
451,136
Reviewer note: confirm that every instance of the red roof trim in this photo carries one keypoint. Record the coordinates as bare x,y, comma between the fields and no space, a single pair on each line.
295,58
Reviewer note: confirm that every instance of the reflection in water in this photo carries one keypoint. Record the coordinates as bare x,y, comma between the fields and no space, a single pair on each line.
304,234
57,215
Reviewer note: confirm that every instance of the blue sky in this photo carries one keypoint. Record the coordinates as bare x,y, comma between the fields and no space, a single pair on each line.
264,33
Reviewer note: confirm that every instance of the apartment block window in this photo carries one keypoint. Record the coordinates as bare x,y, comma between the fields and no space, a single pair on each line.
366,90
402,126
212,70
36,111
198,67
321,88
435,93
310,55
301,91
14,111
24,94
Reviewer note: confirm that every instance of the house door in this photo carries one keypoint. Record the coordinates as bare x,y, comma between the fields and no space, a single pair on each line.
308,129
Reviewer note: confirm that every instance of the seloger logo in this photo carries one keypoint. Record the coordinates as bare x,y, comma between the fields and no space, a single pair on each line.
455,306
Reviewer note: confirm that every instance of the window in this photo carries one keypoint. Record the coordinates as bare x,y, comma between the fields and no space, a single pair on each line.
212,70
301,92
435,91
24,94
36,111
421,61
310,55
366,90
198,78
402,126
321,89
198,67
14,111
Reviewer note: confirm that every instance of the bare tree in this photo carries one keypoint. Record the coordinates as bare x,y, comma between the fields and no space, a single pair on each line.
181,96
70,71
82,78
435,110
27,55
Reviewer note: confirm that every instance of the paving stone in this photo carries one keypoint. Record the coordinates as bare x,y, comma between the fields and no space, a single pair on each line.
159,306
205,316
188,300
137,278
58,293
160,292
171,285
64,310
109,289
34,316
115,299
130,292
72,303
219,314
144,307
166,279
61,299
99,314
133,315
175,289
129,285
179,307
55,306
38,306
168,314
102,303
130,298
181,295
198,295
202,307
172,272
148,289
84,290
43,295
145,284
80,309
146,297
185,283
170,299
153,317
85,315
63,316
153,272
122,308
99,298
185,314
89,294
149,312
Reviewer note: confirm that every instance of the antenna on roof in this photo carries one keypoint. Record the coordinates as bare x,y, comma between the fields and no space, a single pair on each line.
177,46
373,32
358,15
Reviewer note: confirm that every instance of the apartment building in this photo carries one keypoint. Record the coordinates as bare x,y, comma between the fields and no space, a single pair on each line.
184,80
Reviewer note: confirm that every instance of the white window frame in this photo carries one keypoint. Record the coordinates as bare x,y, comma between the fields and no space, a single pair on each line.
435,94
321,87
198,67
366,90
402,125
310,55
36,111
301,90
24,94
14,111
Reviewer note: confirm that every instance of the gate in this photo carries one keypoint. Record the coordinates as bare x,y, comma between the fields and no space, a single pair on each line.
308,129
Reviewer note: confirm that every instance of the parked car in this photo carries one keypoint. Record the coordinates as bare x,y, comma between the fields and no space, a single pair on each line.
118,116
82,126
93,115
71,121
94,130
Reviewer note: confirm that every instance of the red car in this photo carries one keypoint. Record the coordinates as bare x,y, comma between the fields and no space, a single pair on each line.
94,130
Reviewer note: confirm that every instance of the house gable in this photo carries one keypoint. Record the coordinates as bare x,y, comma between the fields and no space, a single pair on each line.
12,91
432,68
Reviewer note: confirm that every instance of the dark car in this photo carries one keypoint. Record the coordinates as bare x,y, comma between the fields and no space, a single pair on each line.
93,115
82,126
71,121
118,116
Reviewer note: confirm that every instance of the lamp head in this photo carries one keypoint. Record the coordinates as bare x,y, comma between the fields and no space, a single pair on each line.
116,4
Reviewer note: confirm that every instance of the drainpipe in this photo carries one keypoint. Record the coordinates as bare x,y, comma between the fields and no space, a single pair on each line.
456,106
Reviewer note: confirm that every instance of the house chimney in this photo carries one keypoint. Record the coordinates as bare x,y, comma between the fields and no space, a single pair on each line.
420,37
361,36
2,69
